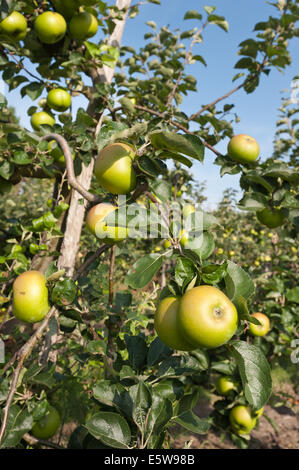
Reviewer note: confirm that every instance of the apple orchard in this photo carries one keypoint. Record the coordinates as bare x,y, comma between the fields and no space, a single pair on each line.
122,301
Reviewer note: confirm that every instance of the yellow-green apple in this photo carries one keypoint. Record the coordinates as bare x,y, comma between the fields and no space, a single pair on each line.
14,26
59,99
30,297
114,168
50,27
243,149
260,330
166,324
207,318
97,225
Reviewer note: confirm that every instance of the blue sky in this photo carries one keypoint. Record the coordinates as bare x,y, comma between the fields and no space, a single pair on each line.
258,111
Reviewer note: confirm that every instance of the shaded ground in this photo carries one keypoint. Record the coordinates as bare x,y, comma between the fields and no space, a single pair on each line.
283,410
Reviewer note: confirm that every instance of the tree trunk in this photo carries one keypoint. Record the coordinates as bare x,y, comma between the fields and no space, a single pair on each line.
76,211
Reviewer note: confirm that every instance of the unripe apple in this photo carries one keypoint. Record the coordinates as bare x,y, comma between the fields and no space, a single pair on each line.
83,26
30,297
14,26
50,27
225,385
40,118
187,210
166,325
114,168
48,425
242,419
59,99
207,318
272,218
97,225
260,330
166,244
243,149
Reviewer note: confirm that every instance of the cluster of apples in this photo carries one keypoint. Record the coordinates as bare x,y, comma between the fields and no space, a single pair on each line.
243,419
115,172
245,149
58,99
51,26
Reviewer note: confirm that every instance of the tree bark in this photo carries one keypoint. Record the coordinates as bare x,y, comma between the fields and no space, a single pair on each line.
76,211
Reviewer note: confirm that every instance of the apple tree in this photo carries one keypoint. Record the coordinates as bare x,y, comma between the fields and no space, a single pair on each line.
95,356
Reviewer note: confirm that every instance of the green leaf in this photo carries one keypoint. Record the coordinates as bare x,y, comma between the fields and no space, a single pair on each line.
165,155
193,423
150,166
207,246
160,413
243,311
185,144
33,90
161,189
45,222
157,352
244,63
219,21
253,202
104,391
137,350
192,15
143,270
184,271
64,292
238,283
19,422
213,273
179,365
21,158
254,371
209,9
292,295
111,429
6,169
141,406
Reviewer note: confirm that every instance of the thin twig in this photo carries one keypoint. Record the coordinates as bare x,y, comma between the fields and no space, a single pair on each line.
34,441
21,356
90,260
111,274
72,181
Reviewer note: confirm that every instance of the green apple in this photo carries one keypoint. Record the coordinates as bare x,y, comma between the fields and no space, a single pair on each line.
166,325
59,99
97,225
243,149
14,26
272,218
30,297
242,419
207,318
83,26
41,118
114,168
225,385
50,27
260,330
48,425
